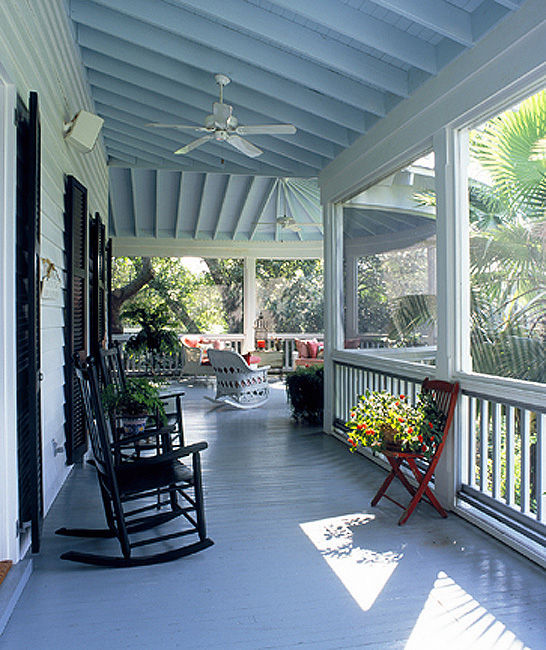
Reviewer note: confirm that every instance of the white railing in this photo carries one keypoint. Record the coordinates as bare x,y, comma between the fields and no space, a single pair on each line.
501,442
171,365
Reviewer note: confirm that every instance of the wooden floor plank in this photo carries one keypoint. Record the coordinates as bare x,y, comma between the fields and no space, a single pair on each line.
300,559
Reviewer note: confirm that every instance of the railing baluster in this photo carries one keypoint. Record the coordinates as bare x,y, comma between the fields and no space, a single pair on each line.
541,467
510,456
525,501
496,426
472,441
484,435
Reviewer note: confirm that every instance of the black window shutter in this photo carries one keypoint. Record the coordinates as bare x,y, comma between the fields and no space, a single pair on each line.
109,290
75,314
97,278
28,319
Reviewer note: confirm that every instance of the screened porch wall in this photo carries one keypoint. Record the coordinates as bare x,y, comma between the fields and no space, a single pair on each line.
507,66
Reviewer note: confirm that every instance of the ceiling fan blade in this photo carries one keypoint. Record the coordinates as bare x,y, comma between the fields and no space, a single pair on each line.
180,127
244,145
193,145
266,129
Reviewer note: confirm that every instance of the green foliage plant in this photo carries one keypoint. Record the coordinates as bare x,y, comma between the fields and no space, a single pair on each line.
381,420
305,389
154,336
138,398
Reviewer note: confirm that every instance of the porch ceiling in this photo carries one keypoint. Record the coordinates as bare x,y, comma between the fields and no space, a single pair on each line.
330,67
333,68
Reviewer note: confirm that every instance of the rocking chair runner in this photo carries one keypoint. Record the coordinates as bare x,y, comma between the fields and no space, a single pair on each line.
445,396
237,384
180,489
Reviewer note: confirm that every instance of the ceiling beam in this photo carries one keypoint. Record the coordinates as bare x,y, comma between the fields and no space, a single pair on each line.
179,204
261,86
162,247
227,186
439,15
134,203
251,188
262,207
154,32
364,29
326,52
200,211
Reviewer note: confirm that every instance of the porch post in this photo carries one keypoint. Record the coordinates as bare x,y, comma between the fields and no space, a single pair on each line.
333,303
351,297
9,542
249,302
451,150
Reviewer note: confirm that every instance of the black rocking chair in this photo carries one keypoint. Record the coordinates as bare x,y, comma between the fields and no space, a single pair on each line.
180,489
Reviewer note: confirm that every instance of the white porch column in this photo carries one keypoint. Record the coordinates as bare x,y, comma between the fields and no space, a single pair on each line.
351,297
453,268
333,302
249,302
9,542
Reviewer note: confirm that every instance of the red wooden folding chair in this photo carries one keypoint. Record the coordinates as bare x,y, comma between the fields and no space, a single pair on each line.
445,396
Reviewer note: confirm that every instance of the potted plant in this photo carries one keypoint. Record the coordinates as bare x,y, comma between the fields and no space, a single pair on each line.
305,389
155,336
381,421
134,404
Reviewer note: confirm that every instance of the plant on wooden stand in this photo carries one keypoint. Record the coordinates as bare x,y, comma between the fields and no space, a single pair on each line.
135,403
381,420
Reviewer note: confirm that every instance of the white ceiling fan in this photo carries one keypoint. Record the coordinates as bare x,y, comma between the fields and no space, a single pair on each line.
289,223
222,125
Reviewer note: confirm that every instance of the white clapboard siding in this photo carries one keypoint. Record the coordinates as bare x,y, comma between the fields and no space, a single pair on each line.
38,52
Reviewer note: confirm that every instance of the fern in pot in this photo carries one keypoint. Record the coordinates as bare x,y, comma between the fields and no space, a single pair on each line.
134,404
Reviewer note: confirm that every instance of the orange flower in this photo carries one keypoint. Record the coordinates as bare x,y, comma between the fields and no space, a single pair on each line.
359,426
420,438
430,424
353,443
400,419
350,441
410,429
353,414
402,397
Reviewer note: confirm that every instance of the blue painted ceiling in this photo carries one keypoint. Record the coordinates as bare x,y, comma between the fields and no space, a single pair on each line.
330,67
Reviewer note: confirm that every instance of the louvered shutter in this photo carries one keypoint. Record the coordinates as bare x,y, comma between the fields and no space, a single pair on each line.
97,279
29,437
75,314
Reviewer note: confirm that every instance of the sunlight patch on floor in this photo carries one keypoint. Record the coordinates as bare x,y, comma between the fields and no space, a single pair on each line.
364,572
451,619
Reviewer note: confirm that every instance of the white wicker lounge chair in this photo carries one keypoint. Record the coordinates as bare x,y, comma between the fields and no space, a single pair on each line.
237,384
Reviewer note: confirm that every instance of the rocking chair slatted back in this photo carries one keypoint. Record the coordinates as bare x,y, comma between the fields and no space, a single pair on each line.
98,425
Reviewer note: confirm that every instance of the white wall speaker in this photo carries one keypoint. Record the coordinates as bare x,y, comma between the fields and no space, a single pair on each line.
83,131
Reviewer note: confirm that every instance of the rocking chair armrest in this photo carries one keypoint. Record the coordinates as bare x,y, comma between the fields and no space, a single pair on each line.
167,394
176,454
147,433
263,367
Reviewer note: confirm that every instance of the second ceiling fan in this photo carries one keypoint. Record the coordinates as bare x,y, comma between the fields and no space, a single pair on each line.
222,125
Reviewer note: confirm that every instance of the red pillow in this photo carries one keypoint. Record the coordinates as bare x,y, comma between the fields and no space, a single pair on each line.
250,358
312,349
301,347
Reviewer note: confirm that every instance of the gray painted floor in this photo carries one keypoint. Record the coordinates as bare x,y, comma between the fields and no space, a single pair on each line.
300,560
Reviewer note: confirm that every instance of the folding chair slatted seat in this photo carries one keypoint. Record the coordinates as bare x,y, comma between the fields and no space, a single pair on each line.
161,487
445,395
